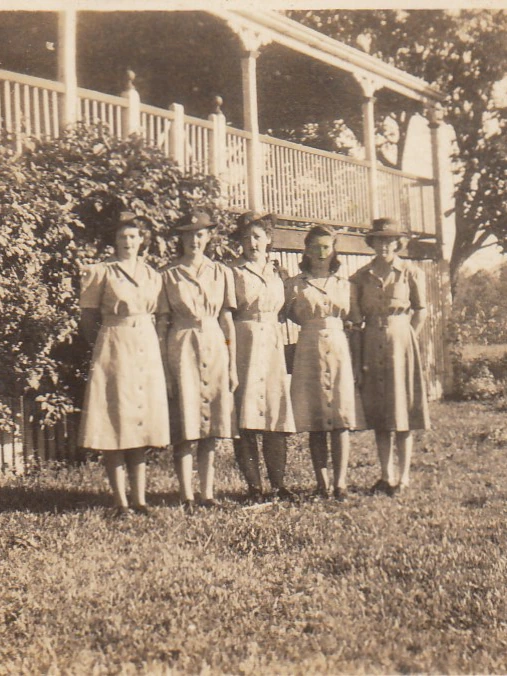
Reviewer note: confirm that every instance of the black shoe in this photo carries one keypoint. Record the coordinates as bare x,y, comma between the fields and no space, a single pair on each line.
121,512
144,510
208,503
255,495
188,507
382,486
340,494
284,493
320,494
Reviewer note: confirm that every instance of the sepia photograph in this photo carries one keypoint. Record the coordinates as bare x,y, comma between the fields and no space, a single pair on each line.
253,337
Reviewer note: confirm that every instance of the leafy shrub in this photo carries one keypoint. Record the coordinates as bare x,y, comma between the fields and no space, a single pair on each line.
481,378
57,199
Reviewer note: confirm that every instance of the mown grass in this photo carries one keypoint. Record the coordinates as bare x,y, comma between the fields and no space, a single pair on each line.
378,585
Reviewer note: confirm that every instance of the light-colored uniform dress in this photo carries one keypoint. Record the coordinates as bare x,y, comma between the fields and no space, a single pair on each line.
196,355
322,386
393,387
263,396
125,402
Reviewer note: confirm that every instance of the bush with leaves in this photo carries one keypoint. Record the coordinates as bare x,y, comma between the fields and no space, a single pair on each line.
57,199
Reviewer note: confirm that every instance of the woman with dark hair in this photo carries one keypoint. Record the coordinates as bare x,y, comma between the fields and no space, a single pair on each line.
263,397
322,388
391,303
125,407
199,350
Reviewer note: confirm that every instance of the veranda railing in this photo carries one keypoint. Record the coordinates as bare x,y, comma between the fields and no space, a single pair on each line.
297,182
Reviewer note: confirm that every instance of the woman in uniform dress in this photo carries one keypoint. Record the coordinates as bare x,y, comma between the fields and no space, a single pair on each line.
199,350
263,397
322,388
391,302
125,407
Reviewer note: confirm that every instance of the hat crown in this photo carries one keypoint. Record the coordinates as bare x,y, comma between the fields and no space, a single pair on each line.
385,224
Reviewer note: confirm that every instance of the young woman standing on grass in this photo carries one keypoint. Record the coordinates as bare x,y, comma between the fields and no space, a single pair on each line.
263,397
125,408
322,388
199,351
391,302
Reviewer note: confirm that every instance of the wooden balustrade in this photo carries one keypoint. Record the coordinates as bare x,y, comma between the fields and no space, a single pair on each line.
298,183
305,184
407,198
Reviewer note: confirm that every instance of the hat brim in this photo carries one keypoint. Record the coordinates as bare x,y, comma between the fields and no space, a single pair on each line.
386,233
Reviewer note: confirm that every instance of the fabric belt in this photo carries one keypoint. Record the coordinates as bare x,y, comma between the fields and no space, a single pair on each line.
181,324
382,321
129,320
323,323
270,317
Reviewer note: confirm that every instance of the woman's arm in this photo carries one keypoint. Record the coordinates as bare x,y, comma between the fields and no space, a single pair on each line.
418,319
162,324
227,326
89,324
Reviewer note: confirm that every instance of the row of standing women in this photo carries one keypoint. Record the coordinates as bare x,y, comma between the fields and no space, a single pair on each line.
214,365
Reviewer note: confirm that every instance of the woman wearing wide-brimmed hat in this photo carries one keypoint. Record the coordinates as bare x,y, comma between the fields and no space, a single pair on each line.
125,407
263,397
199,350
391,303
322,388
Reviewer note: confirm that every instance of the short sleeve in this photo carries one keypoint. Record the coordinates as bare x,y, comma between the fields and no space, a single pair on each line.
93,279
417,284
230,289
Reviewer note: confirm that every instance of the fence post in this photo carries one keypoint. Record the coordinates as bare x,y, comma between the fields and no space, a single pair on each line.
218,149
177,135
131,118
67,22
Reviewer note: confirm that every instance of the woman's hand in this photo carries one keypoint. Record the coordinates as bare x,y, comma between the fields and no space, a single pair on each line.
358,375
233,379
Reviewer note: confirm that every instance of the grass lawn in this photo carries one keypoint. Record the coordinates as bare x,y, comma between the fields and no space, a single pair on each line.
378,585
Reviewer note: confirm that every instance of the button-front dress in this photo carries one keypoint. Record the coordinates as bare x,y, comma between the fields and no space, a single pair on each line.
201,404
322,386
263,395
393,387
125,403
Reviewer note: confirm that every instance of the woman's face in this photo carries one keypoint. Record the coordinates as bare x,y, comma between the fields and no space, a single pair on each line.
320,250
195,241
255,242
128,241
385,247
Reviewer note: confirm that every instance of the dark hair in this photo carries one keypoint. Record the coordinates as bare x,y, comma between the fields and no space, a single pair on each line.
319,231
127,220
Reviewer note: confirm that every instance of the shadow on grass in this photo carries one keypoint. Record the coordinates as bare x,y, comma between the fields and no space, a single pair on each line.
58,500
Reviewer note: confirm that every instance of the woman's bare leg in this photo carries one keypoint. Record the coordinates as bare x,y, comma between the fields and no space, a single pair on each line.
183,464
206,466
136,466
340,446
385,455
404,445
114,462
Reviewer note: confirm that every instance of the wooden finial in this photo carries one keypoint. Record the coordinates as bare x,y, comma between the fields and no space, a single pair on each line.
218,102
131,76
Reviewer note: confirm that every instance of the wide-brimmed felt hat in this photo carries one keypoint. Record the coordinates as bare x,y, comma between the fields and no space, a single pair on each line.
385,227
194,220
252,217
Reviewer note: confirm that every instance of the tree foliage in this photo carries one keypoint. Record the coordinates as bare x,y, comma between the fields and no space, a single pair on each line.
463,53
57,200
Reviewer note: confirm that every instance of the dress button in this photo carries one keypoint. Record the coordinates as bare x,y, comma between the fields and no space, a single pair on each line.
261,413
206,401
139,424
205,418
204,366
329,422
204,382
